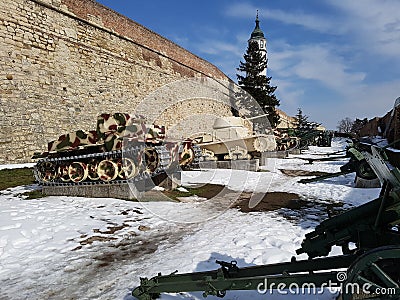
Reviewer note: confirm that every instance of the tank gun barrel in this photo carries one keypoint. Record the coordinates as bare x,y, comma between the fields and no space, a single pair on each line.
257,117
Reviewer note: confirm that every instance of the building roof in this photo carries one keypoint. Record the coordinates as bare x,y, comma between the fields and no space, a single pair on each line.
257,32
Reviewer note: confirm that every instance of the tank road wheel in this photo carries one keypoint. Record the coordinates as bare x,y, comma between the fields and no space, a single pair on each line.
151,159
127,168
237,153
63,173
186,157
260,144
77,171
47,171
92,169
374,275
107,170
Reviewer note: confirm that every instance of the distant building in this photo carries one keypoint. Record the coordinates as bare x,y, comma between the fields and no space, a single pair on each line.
285,120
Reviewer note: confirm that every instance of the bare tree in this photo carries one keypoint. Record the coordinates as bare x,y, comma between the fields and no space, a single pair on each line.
345,125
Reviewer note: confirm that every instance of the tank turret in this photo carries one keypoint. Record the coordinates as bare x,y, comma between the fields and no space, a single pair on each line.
234,138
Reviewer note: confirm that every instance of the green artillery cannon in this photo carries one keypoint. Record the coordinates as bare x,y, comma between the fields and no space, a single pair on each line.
370,266
357,163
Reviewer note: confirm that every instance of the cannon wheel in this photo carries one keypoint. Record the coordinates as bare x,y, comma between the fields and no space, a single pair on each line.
374,275
364,171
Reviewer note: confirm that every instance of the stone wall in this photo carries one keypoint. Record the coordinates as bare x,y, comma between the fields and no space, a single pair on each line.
63,62
387,126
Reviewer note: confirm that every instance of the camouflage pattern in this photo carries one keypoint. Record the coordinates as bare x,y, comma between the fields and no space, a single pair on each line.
110,132
120,125
186,153
181,154
155,134
73,140
113,129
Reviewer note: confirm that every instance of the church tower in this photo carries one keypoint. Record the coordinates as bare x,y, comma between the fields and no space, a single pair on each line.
258,36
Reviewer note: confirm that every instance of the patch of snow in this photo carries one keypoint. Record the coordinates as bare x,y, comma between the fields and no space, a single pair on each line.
191,199
182,189
158,188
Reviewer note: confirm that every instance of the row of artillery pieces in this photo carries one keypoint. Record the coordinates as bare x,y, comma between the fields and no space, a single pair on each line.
124,147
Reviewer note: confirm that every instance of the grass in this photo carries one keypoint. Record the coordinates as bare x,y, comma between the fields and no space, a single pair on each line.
35,194
15,177
175,194
207,191
24,176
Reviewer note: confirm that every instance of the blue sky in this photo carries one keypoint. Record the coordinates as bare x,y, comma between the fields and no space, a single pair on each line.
333,59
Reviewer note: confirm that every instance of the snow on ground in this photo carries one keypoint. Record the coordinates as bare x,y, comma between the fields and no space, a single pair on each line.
86,248
17,166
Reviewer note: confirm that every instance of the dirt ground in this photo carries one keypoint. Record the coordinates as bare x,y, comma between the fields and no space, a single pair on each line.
294,173
270,201
205,191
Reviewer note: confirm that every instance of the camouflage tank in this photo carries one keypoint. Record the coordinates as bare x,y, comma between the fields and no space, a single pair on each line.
123,147
234,138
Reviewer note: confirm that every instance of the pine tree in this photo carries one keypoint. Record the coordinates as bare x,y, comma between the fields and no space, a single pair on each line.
302,124
257,84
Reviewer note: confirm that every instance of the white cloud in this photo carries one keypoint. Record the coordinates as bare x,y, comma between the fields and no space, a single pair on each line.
374,23
297,68
345,93
309,21
315,62
373,100
289,93
214,47
241,10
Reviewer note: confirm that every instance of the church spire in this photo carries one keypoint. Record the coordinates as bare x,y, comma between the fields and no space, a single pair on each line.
257,36
257,32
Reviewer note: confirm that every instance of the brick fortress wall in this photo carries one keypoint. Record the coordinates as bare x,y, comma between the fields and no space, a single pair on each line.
63,62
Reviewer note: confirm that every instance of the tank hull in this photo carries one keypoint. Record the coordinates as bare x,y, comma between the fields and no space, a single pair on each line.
245,148
122,148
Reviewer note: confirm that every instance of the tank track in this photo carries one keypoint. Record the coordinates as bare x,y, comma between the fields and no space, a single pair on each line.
47,170
52,171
